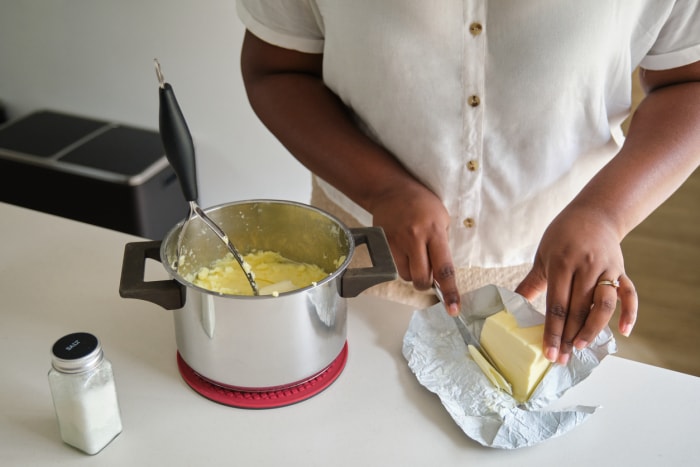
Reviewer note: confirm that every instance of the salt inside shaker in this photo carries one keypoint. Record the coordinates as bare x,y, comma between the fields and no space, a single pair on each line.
84,393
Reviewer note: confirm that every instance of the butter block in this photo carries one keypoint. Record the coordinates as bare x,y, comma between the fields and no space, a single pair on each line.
516,352
491,373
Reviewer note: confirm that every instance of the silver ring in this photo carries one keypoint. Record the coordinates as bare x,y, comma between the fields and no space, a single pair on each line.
613,283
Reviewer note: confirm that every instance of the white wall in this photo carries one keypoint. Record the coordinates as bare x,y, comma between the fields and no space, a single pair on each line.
95,58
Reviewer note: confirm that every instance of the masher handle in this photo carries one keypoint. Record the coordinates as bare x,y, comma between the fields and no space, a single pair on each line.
177,142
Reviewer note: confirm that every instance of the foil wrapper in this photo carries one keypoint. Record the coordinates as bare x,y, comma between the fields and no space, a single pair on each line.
437,354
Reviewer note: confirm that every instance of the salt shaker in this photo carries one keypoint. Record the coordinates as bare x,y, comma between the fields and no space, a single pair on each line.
84,393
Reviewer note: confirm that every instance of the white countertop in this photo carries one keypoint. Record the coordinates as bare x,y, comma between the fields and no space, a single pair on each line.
59,276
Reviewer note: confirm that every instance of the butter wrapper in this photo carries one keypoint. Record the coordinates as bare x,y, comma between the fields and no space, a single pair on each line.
438,356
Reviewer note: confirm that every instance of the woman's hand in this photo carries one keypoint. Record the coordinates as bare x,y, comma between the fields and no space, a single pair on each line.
286,90
580,265
581,247
416,224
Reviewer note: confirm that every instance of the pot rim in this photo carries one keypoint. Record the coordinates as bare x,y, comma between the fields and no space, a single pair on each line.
330,277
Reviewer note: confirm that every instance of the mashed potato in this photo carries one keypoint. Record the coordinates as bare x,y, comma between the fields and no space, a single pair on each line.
273,274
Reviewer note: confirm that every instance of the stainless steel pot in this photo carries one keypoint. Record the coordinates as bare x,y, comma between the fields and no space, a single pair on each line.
260,342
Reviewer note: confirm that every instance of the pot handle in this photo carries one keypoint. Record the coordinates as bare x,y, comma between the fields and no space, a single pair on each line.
383,268
169,294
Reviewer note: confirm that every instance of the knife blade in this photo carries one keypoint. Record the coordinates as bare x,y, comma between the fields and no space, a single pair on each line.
468,337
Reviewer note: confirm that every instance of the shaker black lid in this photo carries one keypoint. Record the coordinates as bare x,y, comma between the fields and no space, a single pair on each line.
78,351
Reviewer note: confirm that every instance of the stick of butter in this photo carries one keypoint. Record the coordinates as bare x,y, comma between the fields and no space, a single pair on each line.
491,373
516,352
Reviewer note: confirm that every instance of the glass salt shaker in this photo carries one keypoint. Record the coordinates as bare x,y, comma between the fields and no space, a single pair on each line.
84,393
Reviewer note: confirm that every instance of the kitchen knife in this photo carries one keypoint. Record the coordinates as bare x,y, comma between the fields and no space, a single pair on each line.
468,337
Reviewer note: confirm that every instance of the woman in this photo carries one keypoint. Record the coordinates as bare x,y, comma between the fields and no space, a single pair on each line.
484,137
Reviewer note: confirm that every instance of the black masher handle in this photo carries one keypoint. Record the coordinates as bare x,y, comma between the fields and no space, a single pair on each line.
177,142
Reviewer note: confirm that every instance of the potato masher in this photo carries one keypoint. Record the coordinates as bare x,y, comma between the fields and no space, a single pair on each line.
179,149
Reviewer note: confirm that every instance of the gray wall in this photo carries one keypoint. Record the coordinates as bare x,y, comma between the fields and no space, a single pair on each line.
95,58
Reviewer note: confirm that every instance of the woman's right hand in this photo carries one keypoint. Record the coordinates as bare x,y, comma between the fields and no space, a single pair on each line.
416,224
286,89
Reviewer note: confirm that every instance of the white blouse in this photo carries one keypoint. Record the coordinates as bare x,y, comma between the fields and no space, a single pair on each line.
504,109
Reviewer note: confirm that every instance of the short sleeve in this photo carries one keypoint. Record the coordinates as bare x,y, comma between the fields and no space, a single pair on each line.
291,24
678,41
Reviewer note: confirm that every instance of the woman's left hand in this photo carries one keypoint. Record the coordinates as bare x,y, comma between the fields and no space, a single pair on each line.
579,264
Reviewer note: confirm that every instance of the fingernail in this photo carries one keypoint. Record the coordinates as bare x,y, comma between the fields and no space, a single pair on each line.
580,344
626,330
563,359
550,353
453,309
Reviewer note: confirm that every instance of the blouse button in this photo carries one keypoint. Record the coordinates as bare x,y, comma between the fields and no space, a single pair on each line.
473,165
474,100
469,222
475,28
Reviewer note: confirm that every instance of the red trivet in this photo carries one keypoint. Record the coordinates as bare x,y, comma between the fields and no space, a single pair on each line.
264,399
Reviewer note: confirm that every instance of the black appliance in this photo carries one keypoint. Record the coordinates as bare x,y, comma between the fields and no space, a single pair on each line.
99,172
